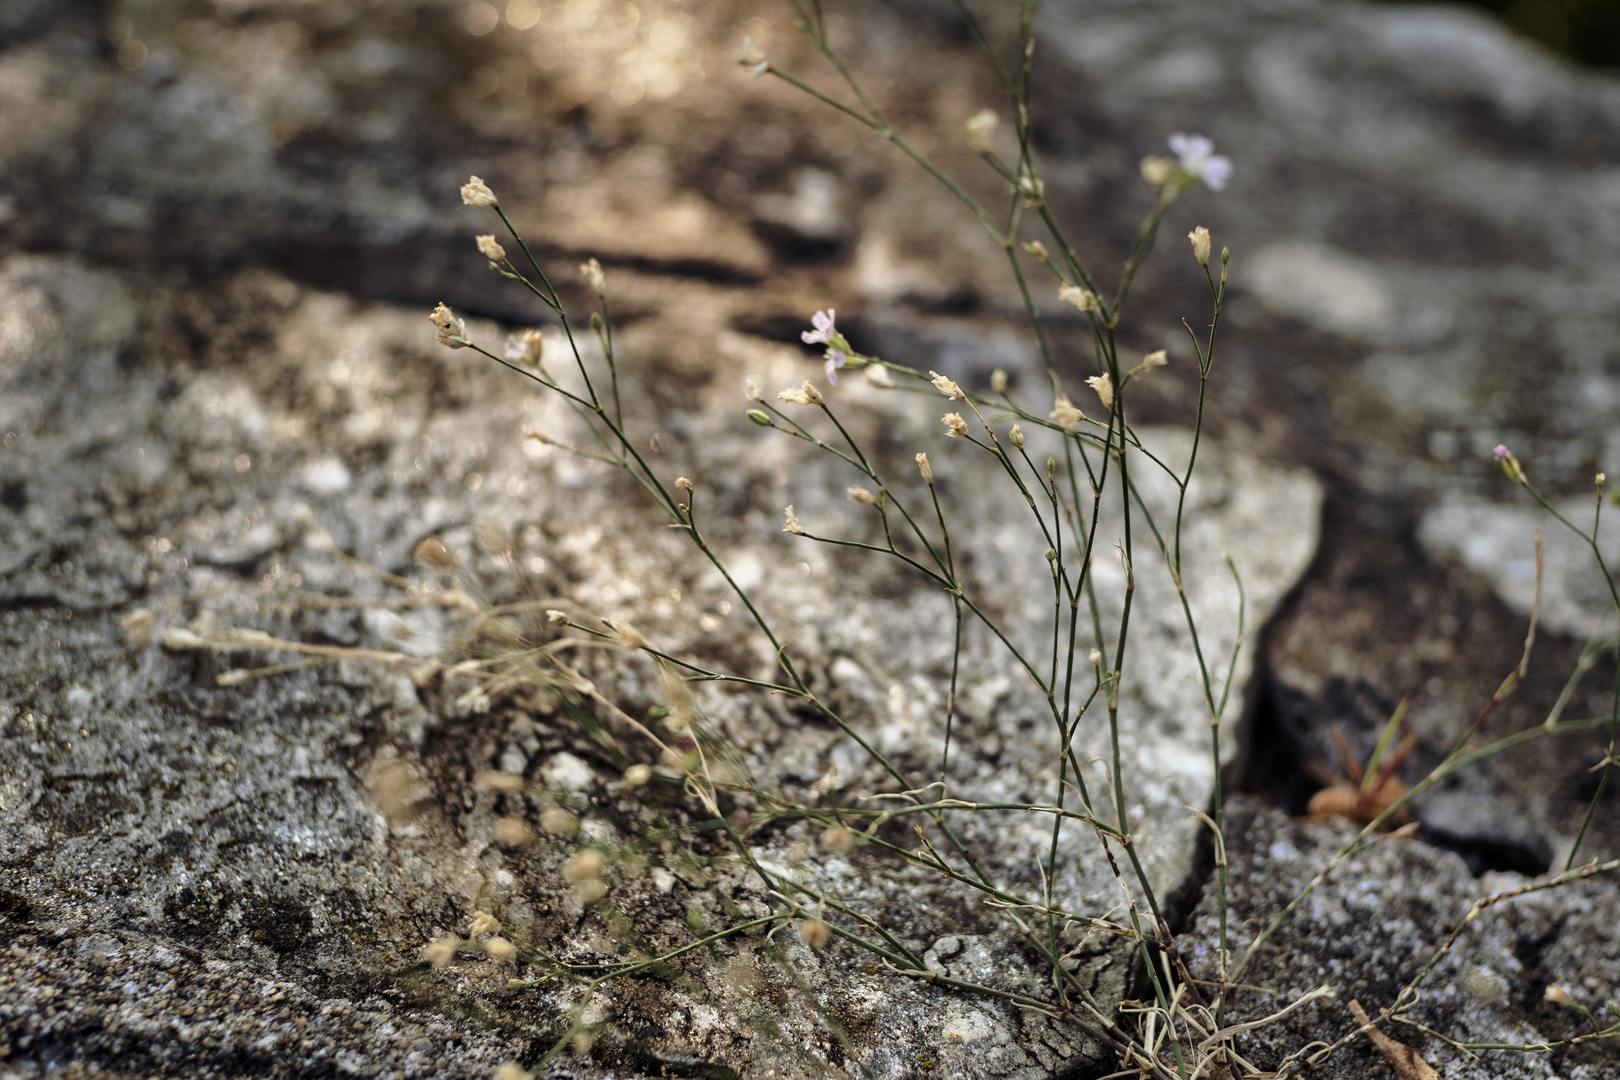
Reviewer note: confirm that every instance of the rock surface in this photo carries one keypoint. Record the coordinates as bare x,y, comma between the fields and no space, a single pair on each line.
203,355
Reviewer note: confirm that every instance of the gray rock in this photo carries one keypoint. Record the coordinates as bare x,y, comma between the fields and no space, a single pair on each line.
1419,205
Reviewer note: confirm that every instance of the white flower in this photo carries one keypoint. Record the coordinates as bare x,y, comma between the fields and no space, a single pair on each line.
791,524
1200,245
981,130
591,274
1084,299
804,394
955,426
946,386
490,249
1155,359
753,59
1104,385
751,390
476,193
525,347
1067,416
835,359
824,330
452,331
1198,158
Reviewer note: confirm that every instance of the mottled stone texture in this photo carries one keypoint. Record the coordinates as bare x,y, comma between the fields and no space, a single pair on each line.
215,267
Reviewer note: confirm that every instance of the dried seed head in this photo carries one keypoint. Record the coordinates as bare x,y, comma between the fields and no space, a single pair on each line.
555,821
751,390
1038,249
998,381
178,639
591,273
483,924
504,783
862,496
452,331
878,375
815,933
513,1071
1557,995
1158,171
683,483
926,469
526,347
476,193
139,625
1066,415
587,864
513,832
839,838
442,951
1200,245
637,775
491,537
1016,436
1104,385
490,248
1095,658
805,394
1084,299
791,524
589,890
1032,189
955,426
432,551
233,677
981,130
1155,359
556,618
320,541
946,386
500,950
629,636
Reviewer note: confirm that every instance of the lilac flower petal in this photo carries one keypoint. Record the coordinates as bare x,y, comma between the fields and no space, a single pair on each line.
1501,452
1217,170
1178,144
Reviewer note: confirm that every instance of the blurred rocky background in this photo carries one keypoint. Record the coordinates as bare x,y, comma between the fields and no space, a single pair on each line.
221,222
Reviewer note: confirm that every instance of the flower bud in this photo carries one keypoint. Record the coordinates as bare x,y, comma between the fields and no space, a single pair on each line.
1016,436
1200,245
981,130
862,496
591,273
1158,171
760,417
637,775
998,381
926,469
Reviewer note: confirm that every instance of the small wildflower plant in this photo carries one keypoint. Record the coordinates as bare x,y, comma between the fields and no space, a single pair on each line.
1180,1032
